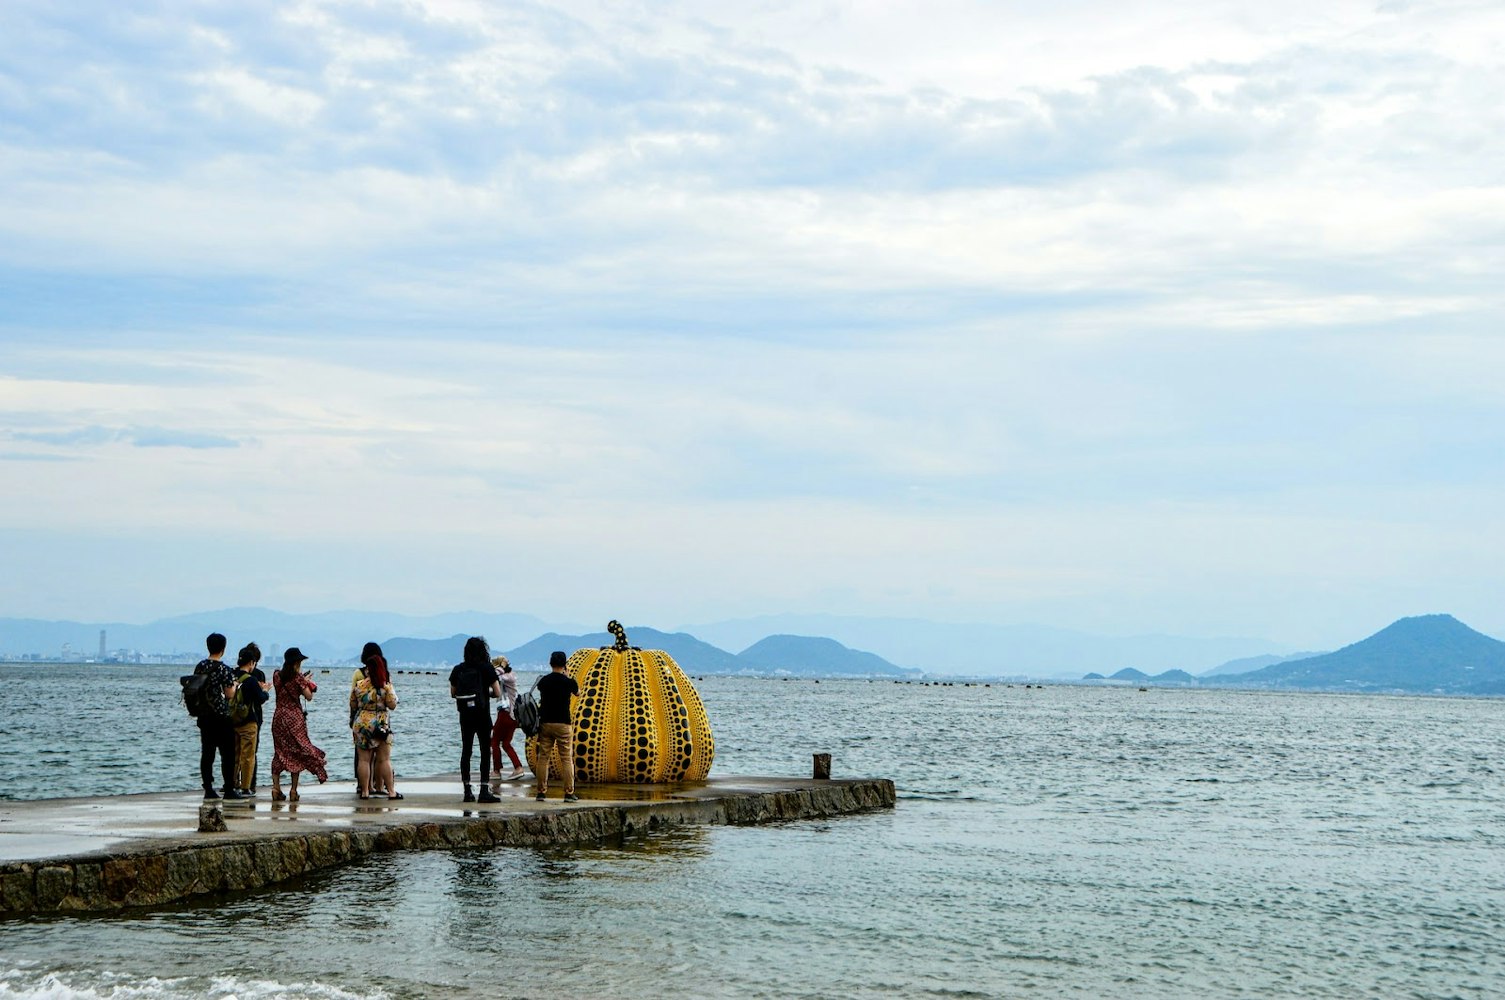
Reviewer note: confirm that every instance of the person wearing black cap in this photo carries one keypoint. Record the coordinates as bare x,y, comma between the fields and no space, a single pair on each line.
555,731
292,750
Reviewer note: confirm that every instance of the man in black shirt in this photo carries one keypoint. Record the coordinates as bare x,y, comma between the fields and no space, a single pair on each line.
555,689
215,731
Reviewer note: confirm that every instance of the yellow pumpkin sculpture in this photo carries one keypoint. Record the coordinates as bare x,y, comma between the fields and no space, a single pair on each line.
637,719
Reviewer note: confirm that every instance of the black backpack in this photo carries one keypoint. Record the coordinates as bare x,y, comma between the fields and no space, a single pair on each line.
469,685
525,712
196,695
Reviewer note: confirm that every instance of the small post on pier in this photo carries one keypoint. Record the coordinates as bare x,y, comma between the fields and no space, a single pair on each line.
211,818
822,766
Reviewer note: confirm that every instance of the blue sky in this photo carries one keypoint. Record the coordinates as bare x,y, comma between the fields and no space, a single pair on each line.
1168,318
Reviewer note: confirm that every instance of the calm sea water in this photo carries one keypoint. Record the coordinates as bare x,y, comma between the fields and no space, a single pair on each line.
1050,842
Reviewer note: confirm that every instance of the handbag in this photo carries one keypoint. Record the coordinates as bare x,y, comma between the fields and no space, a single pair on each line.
525,712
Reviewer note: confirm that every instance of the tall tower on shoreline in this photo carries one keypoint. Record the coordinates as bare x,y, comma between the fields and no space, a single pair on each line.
101,645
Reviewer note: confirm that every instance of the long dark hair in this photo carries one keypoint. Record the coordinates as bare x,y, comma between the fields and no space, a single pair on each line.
290,660
477,653
376,665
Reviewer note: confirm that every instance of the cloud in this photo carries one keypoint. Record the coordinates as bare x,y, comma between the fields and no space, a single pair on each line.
1080,312
14,456
529,169
157,437
522,100
79,436
140,437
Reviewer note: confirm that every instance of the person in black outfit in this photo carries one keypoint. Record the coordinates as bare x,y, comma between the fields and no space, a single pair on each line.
215,731
556,730
473,683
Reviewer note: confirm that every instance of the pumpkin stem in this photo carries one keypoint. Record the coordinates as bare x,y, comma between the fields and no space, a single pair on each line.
616,629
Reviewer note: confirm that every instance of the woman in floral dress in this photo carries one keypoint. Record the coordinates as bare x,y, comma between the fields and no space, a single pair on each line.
372,697
292,750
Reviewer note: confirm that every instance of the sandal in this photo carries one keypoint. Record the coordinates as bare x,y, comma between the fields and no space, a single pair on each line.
278,796
396,795
292,796
362,795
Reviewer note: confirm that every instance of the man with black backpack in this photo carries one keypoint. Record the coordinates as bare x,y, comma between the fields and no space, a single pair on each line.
215,732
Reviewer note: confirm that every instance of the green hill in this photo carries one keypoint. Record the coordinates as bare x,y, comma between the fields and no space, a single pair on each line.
1428,653
692,655
812,656
406,652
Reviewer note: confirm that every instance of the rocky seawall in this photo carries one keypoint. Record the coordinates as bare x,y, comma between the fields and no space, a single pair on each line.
183,867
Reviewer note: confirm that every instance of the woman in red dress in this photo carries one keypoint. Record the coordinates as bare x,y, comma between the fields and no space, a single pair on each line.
293,751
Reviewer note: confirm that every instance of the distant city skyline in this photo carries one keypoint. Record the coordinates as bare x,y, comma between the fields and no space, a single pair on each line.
1149,319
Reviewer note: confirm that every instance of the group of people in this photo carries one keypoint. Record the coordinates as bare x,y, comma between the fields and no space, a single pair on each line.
231,726
480,677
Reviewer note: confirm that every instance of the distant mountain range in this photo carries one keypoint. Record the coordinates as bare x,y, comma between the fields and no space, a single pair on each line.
1246,664
689,652
1427,653
331,635
1431,654
1130,675
336,637
809,656
975,650
970,649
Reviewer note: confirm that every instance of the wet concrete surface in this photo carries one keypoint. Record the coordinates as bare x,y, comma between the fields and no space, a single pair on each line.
41,830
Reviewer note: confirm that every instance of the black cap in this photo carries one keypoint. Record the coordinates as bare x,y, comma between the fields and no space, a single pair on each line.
557,658
293,655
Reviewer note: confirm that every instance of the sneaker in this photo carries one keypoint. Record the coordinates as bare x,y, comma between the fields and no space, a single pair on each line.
235,793
539,797
486,796
210,793
470,796
571,797
515,775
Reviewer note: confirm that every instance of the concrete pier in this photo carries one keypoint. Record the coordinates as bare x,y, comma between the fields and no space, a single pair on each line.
115,852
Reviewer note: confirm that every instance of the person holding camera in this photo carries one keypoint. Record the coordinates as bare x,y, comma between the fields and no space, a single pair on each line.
506,725
292,750
372,698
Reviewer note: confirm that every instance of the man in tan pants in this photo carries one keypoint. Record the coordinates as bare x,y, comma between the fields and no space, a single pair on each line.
556,731
245,714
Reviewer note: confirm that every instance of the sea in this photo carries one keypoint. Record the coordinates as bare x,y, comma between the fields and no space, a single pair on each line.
1048,841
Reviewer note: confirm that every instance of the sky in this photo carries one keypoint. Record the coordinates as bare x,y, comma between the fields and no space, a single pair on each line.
1147,318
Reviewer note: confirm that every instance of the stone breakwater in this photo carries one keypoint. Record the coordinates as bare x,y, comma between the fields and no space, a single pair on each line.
265,844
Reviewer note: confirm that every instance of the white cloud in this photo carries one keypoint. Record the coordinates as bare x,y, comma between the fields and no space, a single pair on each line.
1094,313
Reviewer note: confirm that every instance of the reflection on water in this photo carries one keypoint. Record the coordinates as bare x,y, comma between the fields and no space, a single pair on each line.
1051,842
